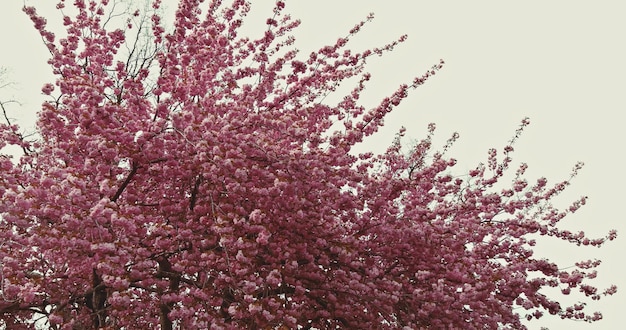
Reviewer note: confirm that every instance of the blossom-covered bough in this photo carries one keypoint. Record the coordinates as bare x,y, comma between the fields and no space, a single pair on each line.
197,180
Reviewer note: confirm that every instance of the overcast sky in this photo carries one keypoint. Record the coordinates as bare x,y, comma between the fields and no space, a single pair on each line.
562,63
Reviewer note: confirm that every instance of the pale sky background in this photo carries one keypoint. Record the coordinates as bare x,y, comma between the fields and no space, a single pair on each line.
562,63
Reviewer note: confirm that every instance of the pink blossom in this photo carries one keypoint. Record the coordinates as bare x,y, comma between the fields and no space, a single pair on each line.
242,205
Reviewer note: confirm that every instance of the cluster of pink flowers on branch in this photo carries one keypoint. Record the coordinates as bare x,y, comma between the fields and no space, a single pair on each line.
199,181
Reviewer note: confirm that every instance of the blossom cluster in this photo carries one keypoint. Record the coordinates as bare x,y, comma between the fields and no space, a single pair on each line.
200,182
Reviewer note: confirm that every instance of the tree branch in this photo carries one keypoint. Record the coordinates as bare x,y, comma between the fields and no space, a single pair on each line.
130,176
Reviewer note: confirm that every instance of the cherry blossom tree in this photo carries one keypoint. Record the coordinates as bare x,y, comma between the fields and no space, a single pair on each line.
198,179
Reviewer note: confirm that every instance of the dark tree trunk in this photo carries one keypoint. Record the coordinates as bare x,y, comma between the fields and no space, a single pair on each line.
96,301
165,271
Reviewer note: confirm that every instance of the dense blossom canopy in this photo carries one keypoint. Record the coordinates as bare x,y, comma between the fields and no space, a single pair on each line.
197,179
